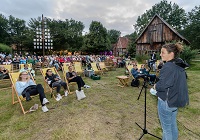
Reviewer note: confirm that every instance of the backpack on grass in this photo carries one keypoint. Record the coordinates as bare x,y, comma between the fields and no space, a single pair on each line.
135,83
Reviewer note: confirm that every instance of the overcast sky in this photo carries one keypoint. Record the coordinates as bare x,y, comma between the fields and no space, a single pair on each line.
113,14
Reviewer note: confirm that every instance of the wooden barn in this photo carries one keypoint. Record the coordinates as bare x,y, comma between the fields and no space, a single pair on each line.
120,48
155,34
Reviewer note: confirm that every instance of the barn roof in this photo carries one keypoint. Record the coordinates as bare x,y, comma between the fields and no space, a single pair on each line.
170,27
122,42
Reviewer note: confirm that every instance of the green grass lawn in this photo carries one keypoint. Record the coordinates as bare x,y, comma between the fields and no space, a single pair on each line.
108,112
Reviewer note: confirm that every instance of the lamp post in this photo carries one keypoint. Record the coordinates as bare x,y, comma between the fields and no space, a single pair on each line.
42,40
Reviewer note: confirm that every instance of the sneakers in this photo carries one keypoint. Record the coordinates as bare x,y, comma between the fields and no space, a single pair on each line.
59,97
45,101
44,108
86,86
66,93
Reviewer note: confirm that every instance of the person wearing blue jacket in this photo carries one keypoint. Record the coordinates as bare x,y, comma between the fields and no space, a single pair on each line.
135,71
172,90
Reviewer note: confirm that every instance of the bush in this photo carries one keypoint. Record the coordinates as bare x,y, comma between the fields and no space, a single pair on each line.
188,54
141,58
4,48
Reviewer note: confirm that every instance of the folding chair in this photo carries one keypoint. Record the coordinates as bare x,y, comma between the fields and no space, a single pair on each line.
65,70
43,72
129,67
22,66
6,81
96,70
103,66
13,79
78,68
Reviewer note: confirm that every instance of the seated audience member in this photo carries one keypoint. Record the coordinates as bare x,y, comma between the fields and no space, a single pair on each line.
4,73
7,62
73,77
160,65
22,85
152,77
135,71
55,81
22,60
27,69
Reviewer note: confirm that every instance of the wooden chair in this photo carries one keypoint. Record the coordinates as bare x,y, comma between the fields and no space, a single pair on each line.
6,81
13,79
8,67
129,67
77,63
96,70
65,70
78,68
43,72
103,66
22,66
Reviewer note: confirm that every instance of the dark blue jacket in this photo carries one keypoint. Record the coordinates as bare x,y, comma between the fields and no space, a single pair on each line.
172,84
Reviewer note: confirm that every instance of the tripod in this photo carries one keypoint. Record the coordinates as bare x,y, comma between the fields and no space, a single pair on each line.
145,109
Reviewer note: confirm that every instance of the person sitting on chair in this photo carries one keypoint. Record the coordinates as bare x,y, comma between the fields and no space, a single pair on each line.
152,77
4,73
55,81
28,69
135,71
26,87
73,77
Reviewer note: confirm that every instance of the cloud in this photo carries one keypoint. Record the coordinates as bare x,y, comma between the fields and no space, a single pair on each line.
113,14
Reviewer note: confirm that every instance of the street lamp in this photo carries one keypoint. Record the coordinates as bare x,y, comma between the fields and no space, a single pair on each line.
43,40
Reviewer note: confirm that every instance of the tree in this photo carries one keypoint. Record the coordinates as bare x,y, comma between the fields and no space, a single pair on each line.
3,29
67,34
4,48
97,40
16,30
171,13
113,35
132,46
191,32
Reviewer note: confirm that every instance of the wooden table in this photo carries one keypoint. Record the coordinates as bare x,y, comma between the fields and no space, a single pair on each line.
123,81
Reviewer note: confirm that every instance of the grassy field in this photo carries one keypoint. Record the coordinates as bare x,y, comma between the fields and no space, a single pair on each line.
108,112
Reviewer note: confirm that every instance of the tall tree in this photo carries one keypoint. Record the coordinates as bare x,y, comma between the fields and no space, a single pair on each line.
113,35
132,46
67,34
191,32
97,40
16,30
172,13
3,29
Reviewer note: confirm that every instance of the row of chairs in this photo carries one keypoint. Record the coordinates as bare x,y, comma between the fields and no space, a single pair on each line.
14,77
77,67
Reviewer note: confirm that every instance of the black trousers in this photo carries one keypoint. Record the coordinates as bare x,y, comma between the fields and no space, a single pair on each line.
38,90
58,86
79,82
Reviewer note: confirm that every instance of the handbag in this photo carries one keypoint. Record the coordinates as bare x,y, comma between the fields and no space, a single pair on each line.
80,94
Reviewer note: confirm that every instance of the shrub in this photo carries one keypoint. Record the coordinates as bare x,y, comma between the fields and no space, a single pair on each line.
4,48
188,54
141,58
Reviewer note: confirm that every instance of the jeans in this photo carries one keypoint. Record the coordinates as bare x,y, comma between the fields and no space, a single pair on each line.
38,90
58,86
79,82
167,116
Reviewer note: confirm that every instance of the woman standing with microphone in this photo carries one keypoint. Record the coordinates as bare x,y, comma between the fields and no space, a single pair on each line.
172,90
